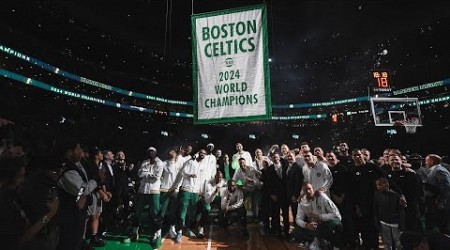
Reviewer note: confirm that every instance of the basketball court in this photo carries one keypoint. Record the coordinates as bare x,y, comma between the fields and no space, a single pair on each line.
215,238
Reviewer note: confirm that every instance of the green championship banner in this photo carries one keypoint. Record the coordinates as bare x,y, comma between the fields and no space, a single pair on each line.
230,66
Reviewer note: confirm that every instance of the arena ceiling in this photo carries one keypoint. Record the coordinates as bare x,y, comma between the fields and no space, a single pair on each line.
320,50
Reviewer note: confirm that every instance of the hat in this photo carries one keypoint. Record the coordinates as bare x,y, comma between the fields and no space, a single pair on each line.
151,149
210,145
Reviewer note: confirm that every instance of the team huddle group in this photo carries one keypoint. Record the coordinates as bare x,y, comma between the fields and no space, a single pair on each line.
322,200
338,199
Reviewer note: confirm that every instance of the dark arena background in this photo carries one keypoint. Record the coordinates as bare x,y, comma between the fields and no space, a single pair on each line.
117,74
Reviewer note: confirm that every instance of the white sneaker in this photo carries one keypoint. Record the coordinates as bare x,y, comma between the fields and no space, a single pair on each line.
314,245
201,232
156,236
172,232
178,238
303,244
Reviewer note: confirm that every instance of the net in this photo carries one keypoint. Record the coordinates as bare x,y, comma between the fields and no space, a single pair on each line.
411,125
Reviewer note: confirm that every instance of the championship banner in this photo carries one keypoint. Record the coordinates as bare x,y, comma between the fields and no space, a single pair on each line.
230,66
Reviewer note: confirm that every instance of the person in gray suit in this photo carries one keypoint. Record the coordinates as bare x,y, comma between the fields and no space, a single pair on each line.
438,194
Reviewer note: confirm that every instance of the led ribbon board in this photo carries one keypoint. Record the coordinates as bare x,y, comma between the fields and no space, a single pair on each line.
48,87
81,79
72,94
230,66
84,80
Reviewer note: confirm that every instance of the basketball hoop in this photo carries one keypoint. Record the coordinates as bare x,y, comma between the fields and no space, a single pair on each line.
411,125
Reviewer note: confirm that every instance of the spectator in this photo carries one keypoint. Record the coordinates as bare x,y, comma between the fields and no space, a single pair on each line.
38,189
149,194
241,153
317,173
225,168
107,216
363,175
99,197
318,219
213,191
168,199
438,186
75,195
340,196
232,207
249,177
276,182
344,157
318,152
388,214
409,184
190,187
16,228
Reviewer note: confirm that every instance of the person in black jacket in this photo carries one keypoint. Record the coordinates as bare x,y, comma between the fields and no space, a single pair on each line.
294,182
121,180
17,229
75,189
344,157
225,167
108,213
388,214
98,198
276,186
339,192
362,186
409,184
38,189
265,199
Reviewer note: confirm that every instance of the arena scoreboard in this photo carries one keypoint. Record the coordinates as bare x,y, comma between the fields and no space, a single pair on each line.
381,81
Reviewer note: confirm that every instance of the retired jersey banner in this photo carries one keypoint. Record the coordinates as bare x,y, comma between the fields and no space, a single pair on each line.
230,66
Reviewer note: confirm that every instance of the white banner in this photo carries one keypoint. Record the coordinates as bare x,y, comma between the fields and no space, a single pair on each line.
230,66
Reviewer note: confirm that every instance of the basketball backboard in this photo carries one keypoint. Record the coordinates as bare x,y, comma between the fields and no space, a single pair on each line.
388,111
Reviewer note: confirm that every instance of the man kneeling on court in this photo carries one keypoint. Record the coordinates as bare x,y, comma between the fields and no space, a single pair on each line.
232,207
319,220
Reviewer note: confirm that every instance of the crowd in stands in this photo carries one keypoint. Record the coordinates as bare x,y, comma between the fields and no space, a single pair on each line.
82,45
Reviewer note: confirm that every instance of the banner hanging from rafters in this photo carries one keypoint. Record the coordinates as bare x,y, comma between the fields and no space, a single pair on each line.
230,66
